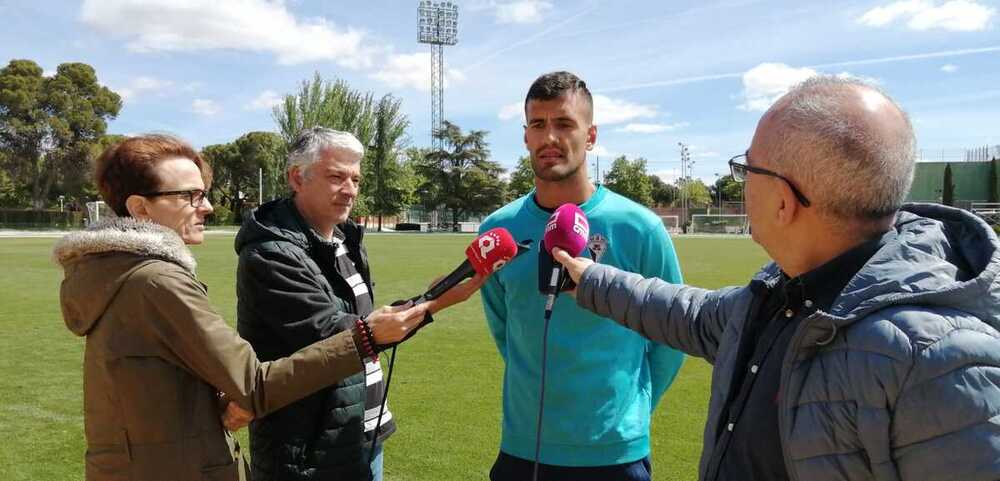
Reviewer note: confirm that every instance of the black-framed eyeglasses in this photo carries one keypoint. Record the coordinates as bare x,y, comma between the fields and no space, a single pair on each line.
739,171
196,197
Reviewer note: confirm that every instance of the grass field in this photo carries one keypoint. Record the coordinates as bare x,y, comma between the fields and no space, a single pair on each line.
445,392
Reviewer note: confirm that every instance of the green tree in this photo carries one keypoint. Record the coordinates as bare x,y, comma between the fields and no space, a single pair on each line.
238,167
629,178
334,105
387,186
460,177
948,189
522,180
695,191
994,188
662,193
729,188
263,151
231,177
48,124
11,195
79,186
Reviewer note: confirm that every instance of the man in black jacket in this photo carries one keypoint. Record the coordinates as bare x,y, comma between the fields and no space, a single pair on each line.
303,276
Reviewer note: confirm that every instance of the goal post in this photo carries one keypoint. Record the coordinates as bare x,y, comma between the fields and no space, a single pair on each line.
671,222
719,224
96,211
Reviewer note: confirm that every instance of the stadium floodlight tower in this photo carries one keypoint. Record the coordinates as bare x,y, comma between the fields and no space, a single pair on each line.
438,27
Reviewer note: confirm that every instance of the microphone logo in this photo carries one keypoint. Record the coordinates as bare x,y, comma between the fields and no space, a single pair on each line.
487,243
553,222
580,225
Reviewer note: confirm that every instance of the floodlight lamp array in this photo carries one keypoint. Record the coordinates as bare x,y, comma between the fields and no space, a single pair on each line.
438,23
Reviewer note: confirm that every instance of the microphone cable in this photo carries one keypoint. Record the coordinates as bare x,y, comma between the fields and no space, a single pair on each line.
381,410
541,396
557,276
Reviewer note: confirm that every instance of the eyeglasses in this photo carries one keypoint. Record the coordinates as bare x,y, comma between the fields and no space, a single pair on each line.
196,197
739,171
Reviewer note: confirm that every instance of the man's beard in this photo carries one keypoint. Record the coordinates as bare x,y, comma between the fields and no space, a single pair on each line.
551,174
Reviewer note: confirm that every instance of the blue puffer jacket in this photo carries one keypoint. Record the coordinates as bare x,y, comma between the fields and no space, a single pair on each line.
900,380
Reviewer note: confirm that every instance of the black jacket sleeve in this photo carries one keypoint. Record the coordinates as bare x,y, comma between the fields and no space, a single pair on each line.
276,289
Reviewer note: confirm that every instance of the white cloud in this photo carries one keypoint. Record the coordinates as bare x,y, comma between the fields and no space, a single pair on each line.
668,176
265,101
511,111
954,15
609,111
255,25
205,107
639,128
882,16
765,83
413,70
142,85
522,11
601,151
949,68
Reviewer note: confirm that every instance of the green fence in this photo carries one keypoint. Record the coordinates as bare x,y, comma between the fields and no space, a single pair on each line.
40,219
971,179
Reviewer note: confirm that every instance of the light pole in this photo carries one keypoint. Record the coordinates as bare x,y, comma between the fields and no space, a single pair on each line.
684,180
438,26
718,190
61,198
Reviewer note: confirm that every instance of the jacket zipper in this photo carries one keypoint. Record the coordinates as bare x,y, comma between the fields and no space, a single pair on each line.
783,401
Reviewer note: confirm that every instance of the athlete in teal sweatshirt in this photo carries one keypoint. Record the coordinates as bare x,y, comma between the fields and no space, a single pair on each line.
602,380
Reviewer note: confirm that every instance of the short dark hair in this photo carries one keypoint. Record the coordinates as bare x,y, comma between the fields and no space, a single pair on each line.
127,168
556,84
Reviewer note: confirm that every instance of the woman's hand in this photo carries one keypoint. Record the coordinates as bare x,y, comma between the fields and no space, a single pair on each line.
390,324
456,295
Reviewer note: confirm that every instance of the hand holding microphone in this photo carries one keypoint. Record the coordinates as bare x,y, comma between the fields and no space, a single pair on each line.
567,230
574,265
486,254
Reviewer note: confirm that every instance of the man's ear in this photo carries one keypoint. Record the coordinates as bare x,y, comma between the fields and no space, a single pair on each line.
788,208
296,178
591,136
137,207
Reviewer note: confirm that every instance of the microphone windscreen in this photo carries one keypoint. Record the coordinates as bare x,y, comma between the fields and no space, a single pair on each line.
567,229
489,252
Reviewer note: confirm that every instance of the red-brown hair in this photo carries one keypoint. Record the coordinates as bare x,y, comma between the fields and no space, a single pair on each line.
128,168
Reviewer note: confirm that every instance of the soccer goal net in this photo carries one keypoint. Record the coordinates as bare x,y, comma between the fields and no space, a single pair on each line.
719,224
671,222
98,210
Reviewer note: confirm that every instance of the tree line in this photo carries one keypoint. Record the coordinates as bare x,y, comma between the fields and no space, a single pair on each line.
52,127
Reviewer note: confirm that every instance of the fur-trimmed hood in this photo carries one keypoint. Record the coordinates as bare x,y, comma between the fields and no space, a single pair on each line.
125,234
97,261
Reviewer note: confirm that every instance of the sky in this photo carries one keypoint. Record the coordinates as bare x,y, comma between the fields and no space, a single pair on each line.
662,72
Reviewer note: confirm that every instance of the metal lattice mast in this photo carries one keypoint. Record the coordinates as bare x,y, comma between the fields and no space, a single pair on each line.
438,26
437,91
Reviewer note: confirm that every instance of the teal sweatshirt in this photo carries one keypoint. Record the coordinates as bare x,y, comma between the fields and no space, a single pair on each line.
602,380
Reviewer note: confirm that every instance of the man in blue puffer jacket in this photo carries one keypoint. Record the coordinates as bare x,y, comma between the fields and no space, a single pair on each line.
869,349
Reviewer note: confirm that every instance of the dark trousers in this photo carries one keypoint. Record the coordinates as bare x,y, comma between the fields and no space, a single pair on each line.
510,468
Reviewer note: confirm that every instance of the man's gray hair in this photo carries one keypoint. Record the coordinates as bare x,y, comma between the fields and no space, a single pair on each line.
848,167
311,144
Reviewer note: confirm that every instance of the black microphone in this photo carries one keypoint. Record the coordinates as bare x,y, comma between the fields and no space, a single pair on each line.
486,254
